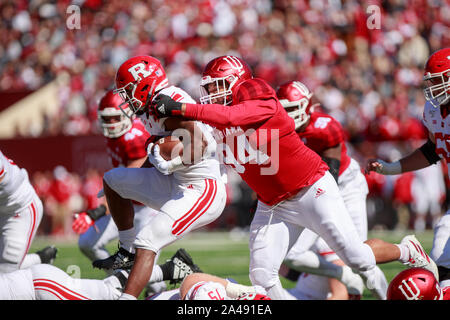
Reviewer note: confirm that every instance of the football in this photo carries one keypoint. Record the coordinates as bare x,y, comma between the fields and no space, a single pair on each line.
170,147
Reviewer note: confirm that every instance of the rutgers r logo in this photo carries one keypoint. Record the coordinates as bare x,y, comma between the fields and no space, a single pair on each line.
235,64
139,69
410,291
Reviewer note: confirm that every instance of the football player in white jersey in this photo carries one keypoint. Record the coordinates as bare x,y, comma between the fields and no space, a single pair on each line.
21,212
126,140
188,190
437,121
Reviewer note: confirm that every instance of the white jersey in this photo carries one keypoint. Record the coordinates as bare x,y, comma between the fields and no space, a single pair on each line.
209,167
16,191
440,128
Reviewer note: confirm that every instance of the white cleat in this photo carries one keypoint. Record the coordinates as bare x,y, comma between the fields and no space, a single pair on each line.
418,258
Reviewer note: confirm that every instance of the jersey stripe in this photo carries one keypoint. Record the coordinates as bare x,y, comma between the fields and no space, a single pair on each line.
198,209
65,292
199,214
33,228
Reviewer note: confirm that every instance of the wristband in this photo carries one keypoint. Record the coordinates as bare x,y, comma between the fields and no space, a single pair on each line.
234,290
97,213
175,164
126,296
389,168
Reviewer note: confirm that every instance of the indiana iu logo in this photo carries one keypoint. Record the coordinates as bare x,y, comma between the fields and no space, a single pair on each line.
235,64
409,289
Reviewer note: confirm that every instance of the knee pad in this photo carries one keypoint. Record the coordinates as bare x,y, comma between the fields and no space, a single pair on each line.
12,254
263,277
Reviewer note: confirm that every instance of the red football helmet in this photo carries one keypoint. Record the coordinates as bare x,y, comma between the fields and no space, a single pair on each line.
414,284
138,79
437,78
113,115
295,97
226,72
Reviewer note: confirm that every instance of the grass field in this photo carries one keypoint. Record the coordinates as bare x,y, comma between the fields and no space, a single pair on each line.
223,254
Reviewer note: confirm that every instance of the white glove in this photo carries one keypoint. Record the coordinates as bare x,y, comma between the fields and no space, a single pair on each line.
166,167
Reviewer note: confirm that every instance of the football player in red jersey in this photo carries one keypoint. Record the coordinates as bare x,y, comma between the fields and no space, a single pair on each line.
294,187
188,190
437,121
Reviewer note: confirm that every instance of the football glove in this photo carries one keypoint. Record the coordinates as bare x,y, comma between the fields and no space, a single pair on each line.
166,167
84,220
164,106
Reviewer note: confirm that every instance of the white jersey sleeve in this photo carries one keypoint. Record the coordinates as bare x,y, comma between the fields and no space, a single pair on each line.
154,125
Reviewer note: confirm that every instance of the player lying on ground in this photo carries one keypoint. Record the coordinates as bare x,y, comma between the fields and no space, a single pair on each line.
202,286
47,282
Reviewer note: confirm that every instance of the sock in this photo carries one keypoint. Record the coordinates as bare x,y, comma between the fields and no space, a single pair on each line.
30,260
157,274
404,253
126,239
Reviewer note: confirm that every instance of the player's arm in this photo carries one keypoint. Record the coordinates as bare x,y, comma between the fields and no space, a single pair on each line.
194,143
420,158
246,112
332,157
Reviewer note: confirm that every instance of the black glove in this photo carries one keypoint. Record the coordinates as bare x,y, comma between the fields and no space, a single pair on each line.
97,213
164,106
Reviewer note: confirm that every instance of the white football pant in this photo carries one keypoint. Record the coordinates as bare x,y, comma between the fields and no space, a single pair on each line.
183,206
17,232
47,282
319,208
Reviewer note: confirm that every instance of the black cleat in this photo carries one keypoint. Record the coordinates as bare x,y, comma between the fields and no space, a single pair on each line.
179,266
122,259
47,255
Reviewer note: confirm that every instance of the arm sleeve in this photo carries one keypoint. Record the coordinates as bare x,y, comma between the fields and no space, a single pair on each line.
246,112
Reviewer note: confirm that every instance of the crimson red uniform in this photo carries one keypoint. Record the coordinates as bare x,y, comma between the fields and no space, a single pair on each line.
129,146
324,132
257,134
270,141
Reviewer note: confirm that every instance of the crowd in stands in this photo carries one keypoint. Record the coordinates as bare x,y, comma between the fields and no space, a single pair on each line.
367,75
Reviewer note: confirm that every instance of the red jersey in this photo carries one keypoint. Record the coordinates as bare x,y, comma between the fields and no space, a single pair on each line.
324,132
258,139
128,147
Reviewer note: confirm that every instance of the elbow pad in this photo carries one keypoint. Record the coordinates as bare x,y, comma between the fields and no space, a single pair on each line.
334,165
429,151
